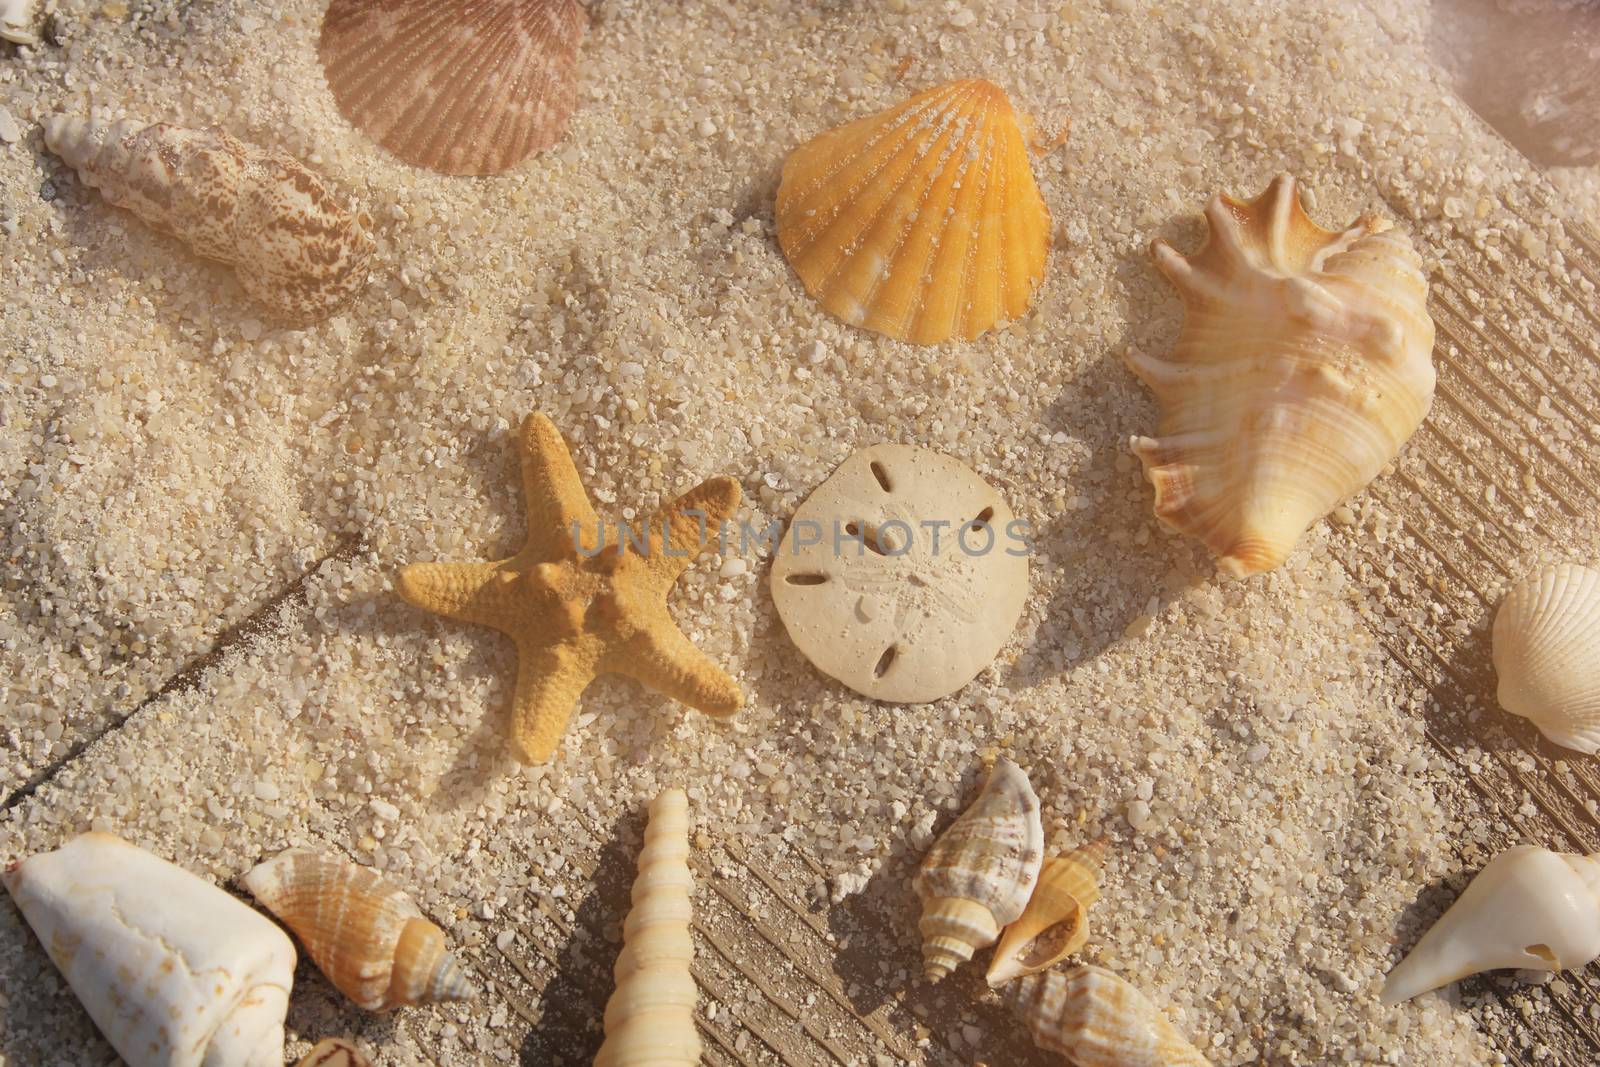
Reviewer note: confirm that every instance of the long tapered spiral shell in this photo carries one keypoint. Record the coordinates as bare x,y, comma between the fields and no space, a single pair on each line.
1547,654
980,873
174,971
922,222
1097,1019
1529,908
650,1017
1305,362
362,932
293,246
1054,925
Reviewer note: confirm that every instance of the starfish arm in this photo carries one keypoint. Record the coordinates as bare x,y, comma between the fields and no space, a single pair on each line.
468,592
552,492
690,524
549,681
662,658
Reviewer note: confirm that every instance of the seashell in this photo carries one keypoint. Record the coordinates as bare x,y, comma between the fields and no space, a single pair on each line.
1529,908
334,1052
650,1016
1547,654
1097,1019
873,592
457,86
979,875
16,22
363,933
923,222
174,971
1304,363
294,248
1054,925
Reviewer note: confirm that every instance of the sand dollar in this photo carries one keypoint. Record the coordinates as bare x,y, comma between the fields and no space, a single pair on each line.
902,574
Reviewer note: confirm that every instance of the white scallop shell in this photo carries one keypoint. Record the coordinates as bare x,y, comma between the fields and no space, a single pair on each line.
1547,654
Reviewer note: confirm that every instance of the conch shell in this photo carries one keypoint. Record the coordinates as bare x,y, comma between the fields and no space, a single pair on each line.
1304,363
979,875
334,1052
174,971
363,933
1096,1019
1055,923
295,249
922,222
650,1017
1529,908
1547,654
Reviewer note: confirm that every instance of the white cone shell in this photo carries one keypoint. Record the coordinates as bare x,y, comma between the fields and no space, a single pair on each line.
174,971
1528,908
1547,654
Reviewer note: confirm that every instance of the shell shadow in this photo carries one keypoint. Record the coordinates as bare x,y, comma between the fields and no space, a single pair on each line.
1464,713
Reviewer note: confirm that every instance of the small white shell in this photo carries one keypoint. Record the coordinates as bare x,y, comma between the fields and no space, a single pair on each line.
16,22
1547,654
1097,1019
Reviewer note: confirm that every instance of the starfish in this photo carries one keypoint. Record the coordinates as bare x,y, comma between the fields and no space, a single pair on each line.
577,608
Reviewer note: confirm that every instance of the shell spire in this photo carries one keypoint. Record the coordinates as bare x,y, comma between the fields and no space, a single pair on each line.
979,875
650,1016
363,933
1547,654
1055,923
294,247
1097,1019
1304,364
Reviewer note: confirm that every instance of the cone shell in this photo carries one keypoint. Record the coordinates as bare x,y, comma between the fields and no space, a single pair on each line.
334,1052
923,222
1547,654
1096,1019
457,86
1304,363
979,875
174,971
363,933
650,1017
1529,908
1055,923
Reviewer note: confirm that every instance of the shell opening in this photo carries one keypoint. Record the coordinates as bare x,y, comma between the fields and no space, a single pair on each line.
885,661
882,475
1544,953
805,579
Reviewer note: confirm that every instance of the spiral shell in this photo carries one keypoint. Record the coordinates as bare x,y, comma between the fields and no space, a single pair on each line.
923,222
650,1017
1097,1019
174,971
295,249
1055,923
1547,654
457,86
979,875
363,933
1305,362
334,1052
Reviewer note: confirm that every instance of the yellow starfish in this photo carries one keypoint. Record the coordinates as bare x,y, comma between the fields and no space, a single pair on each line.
577,610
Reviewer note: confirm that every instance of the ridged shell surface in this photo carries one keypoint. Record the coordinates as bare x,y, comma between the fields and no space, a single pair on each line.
923,222
174,971
1055,924
980,873
294,247
457,86
334,1052
649,1019
1304,363
362,932
1547,654
1097,1019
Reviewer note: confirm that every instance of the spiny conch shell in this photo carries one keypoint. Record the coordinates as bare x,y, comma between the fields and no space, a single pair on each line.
294,248
922,222
363,933
1547,654
1529,908
334,1052
650,1017
457,86
1097,1019
174,971
16,22
1055,923
979,875
1304,363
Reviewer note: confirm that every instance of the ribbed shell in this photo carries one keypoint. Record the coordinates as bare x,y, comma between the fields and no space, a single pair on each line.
979,875
334,1052
923,222
649,1019
362,932
1054,925
457,86
1547,654
1304,363
1096,1019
